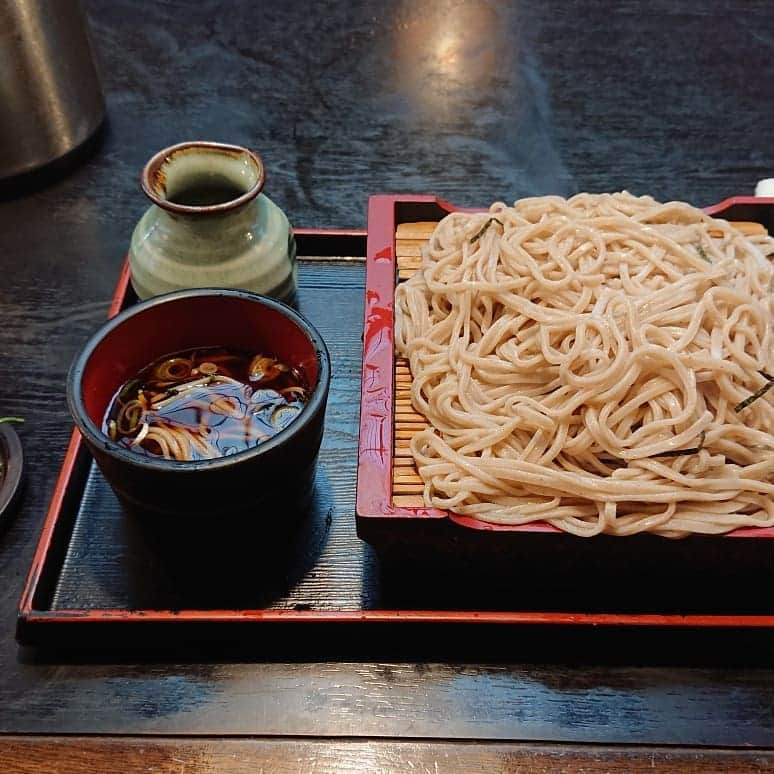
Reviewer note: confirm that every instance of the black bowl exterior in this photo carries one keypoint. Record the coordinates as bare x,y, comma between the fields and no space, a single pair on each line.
279,472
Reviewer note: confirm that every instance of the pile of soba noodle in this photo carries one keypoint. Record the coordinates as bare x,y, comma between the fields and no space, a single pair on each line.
600,363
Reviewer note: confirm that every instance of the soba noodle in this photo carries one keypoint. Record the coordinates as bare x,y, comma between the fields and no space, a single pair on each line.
593,363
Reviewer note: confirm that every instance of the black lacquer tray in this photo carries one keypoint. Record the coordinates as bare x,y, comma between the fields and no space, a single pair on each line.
99,577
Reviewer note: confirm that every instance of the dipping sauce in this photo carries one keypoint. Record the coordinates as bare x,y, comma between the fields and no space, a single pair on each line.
205,403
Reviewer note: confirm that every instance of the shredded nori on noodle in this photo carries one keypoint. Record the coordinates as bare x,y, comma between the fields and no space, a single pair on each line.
682,452
484,228
757,394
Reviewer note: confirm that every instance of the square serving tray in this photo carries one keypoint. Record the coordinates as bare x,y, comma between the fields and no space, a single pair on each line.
99,577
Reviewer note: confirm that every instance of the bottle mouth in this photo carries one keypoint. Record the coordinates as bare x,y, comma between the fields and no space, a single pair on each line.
203,177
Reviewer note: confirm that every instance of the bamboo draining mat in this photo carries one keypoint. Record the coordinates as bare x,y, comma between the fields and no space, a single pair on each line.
406,484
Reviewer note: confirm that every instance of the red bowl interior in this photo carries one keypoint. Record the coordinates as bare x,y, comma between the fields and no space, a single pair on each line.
184,323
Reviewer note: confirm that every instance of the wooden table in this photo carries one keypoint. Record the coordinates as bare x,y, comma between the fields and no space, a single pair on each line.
472,102
84,755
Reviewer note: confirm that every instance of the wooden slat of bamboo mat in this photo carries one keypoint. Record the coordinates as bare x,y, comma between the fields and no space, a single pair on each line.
406,483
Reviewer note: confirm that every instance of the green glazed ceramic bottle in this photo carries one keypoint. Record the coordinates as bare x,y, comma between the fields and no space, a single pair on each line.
210,225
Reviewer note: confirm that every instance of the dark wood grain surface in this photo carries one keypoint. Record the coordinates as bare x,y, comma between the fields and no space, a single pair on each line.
87,755
470,101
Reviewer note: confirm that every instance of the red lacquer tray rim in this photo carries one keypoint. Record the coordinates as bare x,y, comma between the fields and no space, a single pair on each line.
29,616
375,453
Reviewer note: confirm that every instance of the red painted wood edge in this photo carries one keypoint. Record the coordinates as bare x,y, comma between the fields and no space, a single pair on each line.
72,615
374,485
54,510
375,445
716,210
66,471
347,232
122,288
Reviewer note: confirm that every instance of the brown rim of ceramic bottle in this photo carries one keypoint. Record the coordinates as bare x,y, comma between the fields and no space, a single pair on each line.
152,177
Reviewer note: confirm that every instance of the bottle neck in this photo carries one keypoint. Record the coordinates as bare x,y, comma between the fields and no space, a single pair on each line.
239,220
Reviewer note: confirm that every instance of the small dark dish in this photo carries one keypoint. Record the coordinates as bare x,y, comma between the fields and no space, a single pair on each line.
11,468
278,472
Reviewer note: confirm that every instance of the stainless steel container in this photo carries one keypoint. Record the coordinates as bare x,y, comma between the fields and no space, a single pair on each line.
50,96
